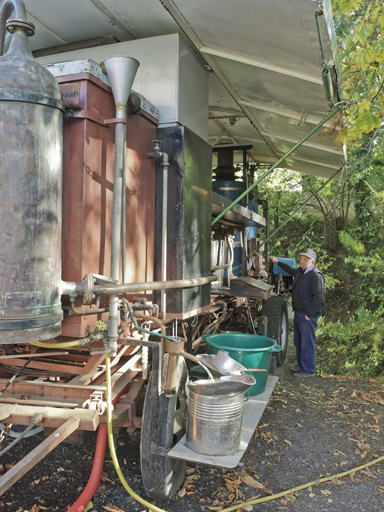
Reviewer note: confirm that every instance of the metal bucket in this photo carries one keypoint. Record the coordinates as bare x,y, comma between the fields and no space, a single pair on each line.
214,423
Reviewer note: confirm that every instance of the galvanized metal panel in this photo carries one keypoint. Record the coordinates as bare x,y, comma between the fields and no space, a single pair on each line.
169,76
189,216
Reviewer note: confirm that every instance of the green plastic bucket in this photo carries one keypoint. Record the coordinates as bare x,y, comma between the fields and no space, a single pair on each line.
250,350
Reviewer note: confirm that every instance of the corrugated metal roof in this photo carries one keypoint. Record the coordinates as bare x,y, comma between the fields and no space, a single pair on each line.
265,87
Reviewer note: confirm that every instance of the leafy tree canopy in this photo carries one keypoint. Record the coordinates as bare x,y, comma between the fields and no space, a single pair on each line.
360,29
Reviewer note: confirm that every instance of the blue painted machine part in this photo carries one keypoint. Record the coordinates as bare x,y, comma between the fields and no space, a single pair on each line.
278,270
231,190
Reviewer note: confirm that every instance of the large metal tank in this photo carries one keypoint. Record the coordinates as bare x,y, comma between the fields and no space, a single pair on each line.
30,188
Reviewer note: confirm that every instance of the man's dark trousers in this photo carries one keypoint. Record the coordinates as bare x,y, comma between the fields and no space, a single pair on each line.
305,341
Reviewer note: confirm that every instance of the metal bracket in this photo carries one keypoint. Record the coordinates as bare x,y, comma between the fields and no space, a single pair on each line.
96,402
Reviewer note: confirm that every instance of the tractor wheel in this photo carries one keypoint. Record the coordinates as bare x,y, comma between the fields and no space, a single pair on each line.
163,425
275,309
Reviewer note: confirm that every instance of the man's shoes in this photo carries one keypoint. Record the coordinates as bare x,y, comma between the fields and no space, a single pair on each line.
294,368
302,375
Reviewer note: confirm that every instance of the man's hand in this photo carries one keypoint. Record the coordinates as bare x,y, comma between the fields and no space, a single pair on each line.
307,318
274,259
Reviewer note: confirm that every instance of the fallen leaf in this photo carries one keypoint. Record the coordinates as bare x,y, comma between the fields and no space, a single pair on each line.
288,442
113,508
369,474
182,493
251,482
338,451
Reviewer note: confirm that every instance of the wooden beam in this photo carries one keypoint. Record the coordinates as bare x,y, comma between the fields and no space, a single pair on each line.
52,416
49,389
71,369
34,400
35,456
36,354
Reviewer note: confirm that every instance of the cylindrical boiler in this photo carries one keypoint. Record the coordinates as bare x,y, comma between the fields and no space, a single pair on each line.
31,116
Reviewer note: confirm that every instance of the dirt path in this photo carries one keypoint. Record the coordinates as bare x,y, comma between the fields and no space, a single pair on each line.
311,429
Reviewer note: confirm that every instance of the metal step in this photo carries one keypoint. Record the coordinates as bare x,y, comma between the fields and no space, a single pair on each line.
253,410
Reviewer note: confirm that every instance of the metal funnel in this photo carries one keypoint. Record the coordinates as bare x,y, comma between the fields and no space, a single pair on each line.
121,73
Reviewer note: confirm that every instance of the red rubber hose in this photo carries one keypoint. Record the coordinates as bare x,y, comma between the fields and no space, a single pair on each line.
97,467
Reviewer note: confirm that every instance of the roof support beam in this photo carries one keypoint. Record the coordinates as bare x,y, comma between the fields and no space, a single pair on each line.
312,145
315,162
260,64
302,117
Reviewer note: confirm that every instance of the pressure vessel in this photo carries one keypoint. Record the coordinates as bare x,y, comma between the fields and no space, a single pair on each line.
31,118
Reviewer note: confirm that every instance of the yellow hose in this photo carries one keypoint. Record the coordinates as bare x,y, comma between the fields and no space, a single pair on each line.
112,444
229,509
67,344
301,487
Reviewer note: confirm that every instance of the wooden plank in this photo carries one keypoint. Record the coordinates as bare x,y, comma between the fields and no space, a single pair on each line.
73,369
37,354
52,416
39,401
129,365
49,389
35,456
125,409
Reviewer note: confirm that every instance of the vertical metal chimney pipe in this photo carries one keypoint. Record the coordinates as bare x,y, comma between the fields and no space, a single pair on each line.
121,73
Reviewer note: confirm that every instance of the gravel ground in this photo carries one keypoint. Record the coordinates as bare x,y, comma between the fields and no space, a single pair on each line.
310,429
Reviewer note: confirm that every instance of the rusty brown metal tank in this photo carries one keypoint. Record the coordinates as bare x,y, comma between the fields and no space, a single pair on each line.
30,188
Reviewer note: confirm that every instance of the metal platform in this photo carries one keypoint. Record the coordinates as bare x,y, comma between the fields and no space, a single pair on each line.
237,214
253,411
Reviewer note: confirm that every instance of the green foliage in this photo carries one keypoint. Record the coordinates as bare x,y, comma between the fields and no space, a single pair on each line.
360,26
353,343
354,347
350,243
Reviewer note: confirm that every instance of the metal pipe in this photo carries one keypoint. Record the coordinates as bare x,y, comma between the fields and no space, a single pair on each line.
228,240
87,311
155,320
20,15
164,220
164,232
121,73
71,288
275,165
124,215
157,285
81,288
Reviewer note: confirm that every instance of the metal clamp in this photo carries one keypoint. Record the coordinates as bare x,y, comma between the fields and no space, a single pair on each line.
96,402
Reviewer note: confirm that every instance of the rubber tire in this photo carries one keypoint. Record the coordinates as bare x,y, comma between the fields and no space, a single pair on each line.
163,425
276,310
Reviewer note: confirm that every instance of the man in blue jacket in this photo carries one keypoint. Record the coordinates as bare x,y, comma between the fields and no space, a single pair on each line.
307,303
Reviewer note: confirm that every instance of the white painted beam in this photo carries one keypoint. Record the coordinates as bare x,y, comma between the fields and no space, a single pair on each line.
260,64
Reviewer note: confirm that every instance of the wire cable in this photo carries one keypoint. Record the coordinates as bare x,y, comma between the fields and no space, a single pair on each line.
36,418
